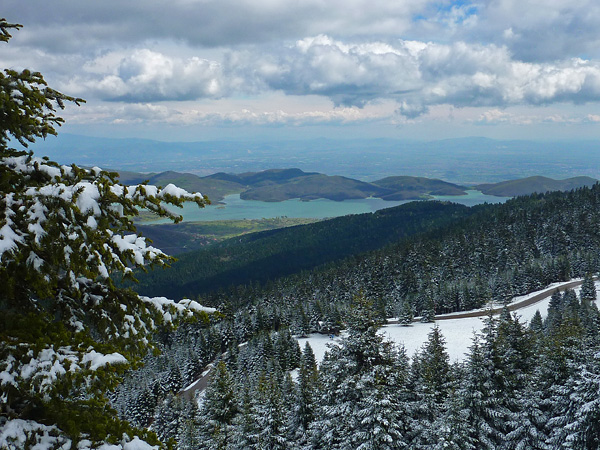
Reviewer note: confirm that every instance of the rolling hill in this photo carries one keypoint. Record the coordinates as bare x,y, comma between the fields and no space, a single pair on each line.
529,185
275,185
266,255
312,187
405,187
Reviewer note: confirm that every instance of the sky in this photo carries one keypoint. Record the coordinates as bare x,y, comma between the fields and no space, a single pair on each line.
293,69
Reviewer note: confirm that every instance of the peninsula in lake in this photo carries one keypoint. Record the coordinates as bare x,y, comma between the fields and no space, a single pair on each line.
276,185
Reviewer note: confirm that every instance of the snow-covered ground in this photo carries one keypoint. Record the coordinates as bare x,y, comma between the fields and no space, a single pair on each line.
457,332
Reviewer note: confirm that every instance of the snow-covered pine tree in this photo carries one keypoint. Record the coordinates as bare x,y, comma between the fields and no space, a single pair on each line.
306,390
588,289
67,332
362,390
583,415
482,401
527,423
453,429
555,308
406,312
428,312
218,410
167,418
430,387
536,325
269,414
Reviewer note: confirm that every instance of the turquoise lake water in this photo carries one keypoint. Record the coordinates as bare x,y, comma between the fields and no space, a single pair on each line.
235,208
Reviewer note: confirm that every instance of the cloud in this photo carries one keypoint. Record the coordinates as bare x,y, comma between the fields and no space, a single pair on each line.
533,31
539,31
416,75
497,117
348,74
593,118
146,76
71,25
124,113
421,74
417,53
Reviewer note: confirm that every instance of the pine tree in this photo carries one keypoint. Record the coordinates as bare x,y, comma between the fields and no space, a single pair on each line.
527,423
245,433
483,403
306,391
537,324
219,409
453,430
269,415
65,234
555,309
428,312
406,313
430,387
188,433
577,424
167,418
360,403
142,410
588,289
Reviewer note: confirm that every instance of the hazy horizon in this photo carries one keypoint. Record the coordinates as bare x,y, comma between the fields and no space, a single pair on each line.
465,160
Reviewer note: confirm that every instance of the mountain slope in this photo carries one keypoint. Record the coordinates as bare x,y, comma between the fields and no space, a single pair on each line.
275,185
262,256
405,187
526,186
312,187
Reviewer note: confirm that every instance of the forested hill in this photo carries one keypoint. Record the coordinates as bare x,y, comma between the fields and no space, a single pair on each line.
519,386
498,252
275,185
267,255
404,187
525,186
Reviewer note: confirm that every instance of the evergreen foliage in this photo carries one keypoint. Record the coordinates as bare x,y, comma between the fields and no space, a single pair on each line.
521,387
361,397
67,333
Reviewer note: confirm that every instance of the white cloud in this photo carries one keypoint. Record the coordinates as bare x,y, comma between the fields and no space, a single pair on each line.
417,54
189,114
497,117
70,26
416,75
144,75
419,74
540,30
594,118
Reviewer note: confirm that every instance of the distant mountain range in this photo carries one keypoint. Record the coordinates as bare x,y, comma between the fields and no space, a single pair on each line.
275,185
465,161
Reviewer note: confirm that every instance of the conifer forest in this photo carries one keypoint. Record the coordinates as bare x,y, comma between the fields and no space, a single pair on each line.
94,356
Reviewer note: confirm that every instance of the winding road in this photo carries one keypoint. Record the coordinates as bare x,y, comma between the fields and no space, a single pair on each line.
547,292
514,306
201,383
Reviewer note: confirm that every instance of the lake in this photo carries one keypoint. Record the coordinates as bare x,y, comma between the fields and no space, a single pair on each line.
234,208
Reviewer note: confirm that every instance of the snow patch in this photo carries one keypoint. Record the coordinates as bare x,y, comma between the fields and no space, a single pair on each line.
98,360
457,332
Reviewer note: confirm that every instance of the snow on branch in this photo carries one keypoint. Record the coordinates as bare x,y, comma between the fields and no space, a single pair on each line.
172,310
66,217
17,434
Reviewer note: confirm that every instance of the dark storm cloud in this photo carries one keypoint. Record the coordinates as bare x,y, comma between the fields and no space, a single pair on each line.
64,25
